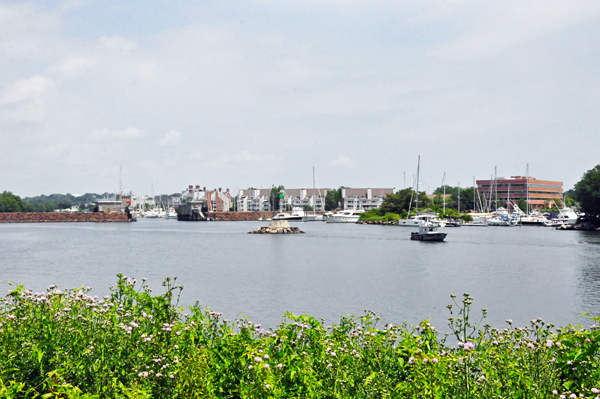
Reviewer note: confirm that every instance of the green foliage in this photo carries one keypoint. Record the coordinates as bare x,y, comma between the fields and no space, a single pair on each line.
132,344
307,208
374,216
275,190
522,204
588,194
401,201
333,199
11,203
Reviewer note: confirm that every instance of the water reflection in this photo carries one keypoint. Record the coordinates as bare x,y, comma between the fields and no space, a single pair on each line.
588,273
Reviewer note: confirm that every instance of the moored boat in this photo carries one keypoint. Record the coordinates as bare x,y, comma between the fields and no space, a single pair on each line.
428,232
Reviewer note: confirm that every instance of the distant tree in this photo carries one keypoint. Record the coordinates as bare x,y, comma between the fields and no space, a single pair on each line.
10,202
522,205
588,193
274,196
401,202
307,208
333,199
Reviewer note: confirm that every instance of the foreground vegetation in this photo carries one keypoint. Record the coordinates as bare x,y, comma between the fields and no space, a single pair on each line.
134,344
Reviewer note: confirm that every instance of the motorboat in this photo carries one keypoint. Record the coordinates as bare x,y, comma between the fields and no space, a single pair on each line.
347,216
419,220
171,214
313,218
296,216
502,221
428,232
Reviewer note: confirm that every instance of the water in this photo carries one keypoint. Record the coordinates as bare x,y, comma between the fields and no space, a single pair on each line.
518,273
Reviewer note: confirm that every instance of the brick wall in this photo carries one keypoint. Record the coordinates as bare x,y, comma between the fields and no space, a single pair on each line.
58,217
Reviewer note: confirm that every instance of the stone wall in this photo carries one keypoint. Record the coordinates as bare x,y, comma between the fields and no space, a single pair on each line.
239,216
60,217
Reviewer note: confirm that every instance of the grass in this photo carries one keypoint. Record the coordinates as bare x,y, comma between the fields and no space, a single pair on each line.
134,344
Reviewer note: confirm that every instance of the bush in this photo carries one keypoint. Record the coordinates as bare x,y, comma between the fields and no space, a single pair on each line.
134,344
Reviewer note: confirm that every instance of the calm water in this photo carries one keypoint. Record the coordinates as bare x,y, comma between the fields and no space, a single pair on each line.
519,273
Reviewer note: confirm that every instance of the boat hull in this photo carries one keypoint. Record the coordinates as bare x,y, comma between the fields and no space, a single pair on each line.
428,236
342,219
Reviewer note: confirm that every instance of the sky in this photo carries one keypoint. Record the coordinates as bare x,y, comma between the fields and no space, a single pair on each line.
257,93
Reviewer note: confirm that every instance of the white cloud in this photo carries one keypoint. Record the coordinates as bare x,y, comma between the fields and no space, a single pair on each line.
172,138
26,89
343,162
129,133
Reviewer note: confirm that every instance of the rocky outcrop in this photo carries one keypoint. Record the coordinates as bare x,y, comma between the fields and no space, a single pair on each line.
586,226
277,227
61,217
381,222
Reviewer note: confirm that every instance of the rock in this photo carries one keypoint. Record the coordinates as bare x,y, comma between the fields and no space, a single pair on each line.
277,227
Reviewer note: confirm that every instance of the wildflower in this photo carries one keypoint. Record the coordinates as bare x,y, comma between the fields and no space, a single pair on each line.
425,360
531,345
257,359
267,386
279,366
411,360
587,340
555,392
509,321
329,365
460,344
435,360
266,356
468,346
573,396
266,366
595,390
250,367
333,354
569,362
171,376
549,344
562,397
482,378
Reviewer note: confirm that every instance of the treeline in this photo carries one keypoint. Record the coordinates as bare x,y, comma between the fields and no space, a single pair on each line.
10,202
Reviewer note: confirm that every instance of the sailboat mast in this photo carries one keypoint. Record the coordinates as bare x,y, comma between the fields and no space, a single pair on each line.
527,185
314,199
418,171
444,185
474,204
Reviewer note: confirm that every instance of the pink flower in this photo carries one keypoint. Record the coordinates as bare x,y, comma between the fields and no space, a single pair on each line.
434,360
468,346
411,360
549,344
595,390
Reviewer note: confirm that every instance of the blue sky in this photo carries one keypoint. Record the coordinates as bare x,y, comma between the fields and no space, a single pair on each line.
255,93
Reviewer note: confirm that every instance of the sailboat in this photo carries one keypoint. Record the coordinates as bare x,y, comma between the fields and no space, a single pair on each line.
313,217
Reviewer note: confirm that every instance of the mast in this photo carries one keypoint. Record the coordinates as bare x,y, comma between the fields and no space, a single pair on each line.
496,187
508,200
418,170
444,185
474,204
458,197
313,198
527,185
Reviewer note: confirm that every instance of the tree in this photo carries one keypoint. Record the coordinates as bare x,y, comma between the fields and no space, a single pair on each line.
274,195
333,199
401,201
588,193
522,205
307,208
10,202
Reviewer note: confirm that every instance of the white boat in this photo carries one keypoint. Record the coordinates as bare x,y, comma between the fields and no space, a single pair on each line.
420,220
566,216
502,221
347,216
428,232
313,218
172,214
296,216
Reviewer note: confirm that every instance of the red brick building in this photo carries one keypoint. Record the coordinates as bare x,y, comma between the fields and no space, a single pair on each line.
541,192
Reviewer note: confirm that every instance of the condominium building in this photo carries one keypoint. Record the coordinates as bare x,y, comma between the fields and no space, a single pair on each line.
363,198
216,200
253,200
540,193
301,197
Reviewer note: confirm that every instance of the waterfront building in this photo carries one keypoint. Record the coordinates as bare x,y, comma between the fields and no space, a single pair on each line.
301,197
542,193
114,204
216,200
254,200
363,198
